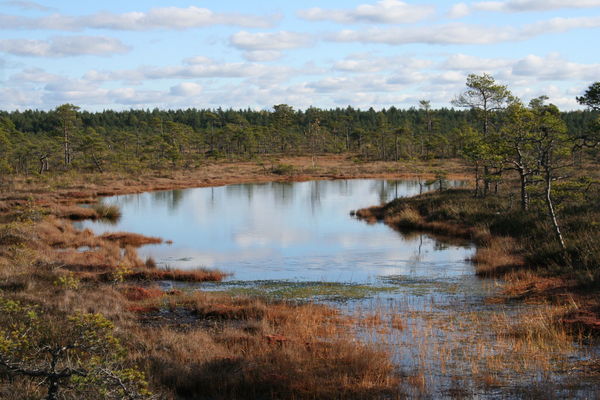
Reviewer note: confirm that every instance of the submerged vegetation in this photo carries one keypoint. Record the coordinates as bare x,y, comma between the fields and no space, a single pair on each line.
303,291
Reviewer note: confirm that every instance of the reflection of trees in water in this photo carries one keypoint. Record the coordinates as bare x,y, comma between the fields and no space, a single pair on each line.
439,246
243,190
343,187
388,190
283,193
417,256
123,200
315,195
170,198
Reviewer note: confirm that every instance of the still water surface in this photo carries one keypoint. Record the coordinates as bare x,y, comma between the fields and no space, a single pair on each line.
298,231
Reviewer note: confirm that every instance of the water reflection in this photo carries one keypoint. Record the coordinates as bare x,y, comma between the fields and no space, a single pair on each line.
298,231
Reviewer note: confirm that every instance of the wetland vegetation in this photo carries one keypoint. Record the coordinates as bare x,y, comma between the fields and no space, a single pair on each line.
321,305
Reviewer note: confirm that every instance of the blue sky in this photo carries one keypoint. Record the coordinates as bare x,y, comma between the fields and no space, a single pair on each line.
240,54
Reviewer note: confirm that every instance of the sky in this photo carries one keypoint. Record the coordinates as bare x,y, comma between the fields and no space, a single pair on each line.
254,54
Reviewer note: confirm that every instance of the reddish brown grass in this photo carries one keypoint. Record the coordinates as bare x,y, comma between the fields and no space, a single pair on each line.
196,275
138,293
498,257
142,309
130,239
74,212
264,350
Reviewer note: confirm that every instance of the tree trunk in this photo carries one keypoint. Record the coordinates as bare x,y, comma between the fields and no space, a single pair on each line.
66,145
348,139
552,213
52,389
97,163
43,163
524,193
486,180
477,179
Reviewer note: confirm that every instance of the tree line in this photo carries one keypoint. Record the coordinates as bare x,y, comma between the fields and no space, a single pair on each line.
34,141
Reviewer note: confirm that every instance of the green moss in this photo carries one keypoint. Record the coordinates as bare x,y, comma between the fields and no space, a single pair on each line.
285,290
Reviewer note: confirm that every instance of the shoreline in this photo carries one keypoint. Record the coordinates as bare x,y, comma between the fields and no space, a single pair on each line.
496,257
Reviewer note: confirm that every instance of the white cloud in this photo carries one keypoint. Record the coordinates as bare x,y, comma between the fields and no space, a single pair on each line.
262,55
523,71
366,84
64,46
192,68
156,18
129,96
186,89
461,33
449,77
406,76
558,25
533,5
361,80
459,10
553,67
35,75
462,62
360,64
80,91
281,40
17,98
261,47
366,62
27,5
383,12
456,33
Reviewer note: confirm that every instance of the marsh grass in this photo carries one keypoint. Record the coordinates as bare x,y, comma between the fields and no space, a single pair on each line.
108,212
74,212
215,346
512,244
304,291
283,169
188,275
263,349
498,257
130,239
14,234
487,351
456,212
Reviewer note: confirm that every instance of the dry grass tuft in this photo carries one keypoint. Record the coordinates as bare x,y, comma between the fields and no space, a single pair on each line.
370,215
407,218
14,234
150,263
107,212
498,257
138,293
73,212
538,331
130,239
194,275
